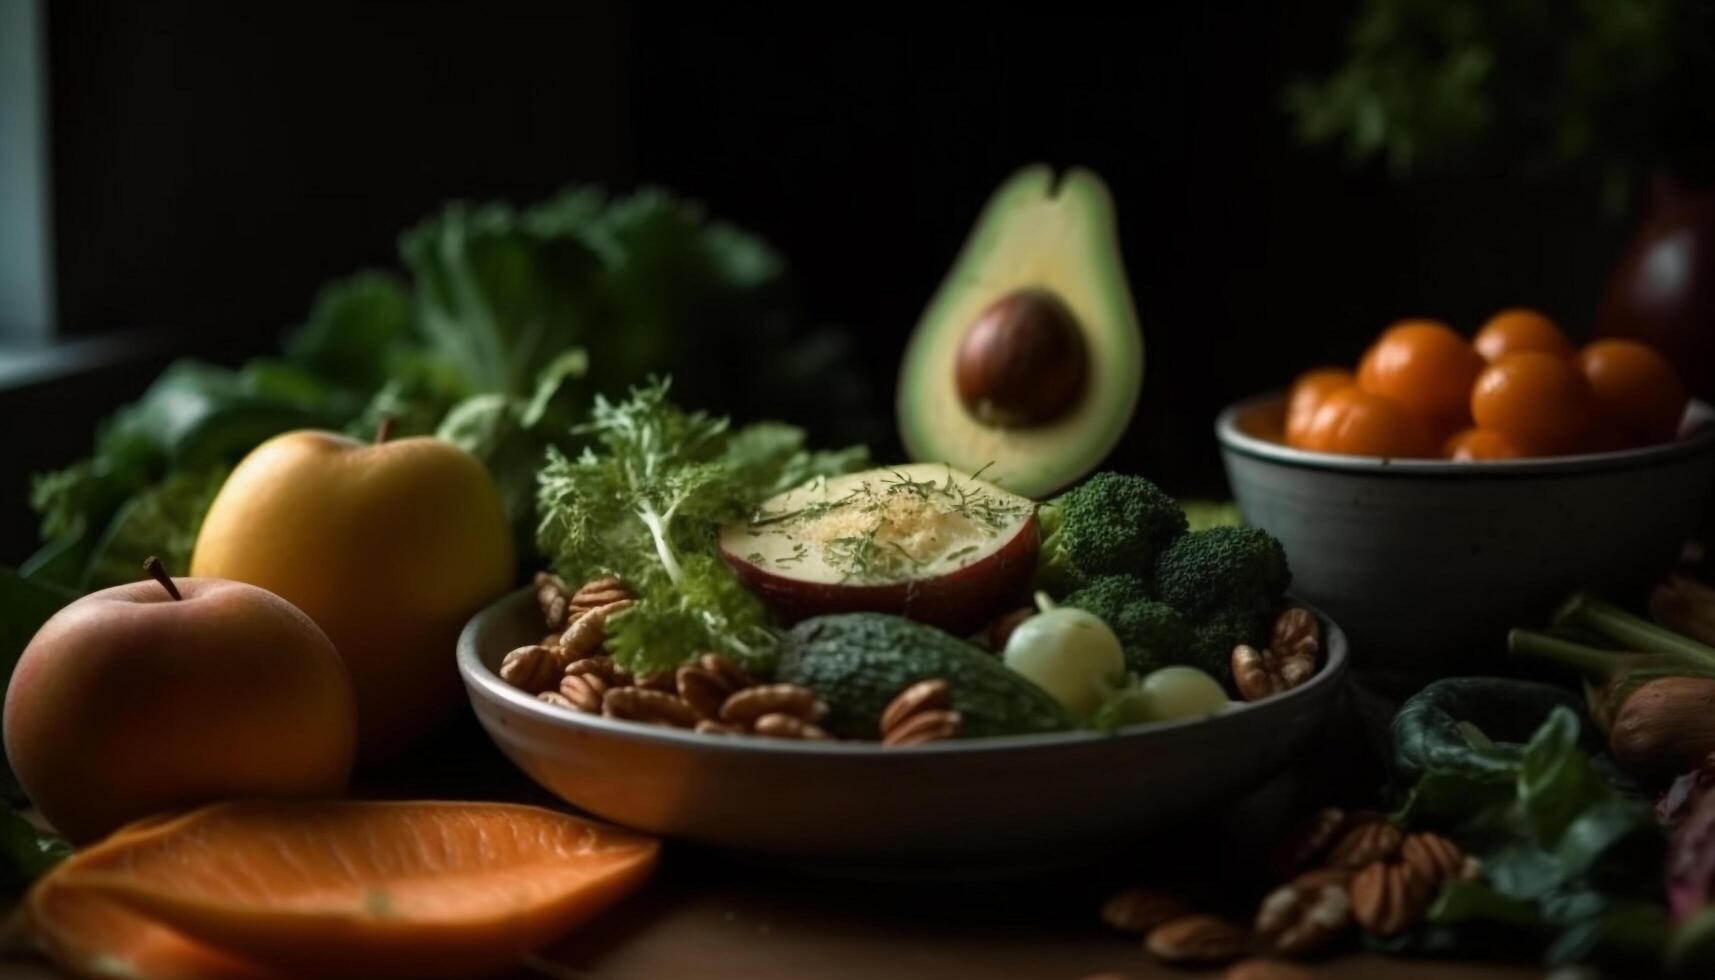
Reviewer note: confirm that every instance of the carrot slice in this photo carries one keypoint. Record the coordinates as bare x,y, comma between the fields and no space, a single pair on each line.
346,888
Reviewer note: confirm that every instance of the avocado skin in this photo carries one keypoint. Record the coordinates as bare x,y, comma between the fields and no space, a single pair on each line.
858,663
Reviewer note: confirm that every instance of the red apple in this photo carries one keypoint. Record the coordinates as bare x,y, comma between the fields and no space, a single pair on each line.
923,541
133,700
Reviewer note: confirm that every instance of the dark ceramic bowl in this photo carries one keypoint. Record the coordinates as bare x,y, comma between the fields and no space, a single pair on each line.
1426,563
1014,802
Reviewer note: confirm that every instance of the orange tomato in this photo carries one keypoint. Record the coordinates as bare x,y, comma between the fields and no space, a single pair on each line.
1635,388
1511,331
1424,366
1468,445
1309,390
1539,402
1354,422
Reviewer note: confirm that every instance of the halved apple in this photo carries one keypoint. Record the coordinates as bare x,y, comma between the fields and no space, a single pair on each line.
924,541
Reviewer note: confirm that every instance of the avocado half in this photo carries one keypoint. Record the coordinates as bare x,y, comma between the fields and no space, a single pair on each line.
1053,243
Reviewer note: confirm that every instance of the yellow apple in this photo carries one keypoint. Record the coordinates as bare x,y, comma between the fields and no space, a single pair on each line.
135,700
389,546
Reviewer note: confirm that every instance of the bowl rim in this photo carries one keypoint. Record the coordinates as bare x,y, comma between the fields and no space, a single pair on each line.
1700,440
480,681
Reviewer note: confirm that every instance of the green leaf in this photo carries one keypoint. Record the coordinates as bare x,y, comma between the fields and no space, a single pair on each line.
25,852
354,330
160,520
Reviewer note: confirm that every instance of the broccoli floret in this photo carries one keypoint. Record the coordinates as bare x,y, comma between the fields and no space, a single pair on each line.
1111,524
1152,633
1206,572
1215,636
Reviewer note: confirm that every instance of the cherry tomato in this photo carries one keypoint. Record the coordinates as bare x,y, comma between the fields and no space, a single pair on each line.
1424,366
1354,422
1539,402
1468,445
1636,389
1510,331
1308,392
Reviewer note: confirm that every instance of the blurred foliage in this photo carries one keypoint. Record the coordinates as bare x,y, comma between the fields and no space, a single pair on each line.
1610,88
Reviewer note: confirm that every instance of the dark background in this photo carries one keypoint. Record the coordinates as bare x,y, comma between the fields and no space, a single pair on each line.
214,163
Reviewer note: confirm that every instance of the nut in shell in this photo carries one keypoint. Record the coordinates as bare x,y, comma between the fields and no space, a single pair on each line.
744,707
1196,940
1264,673
649,707
1389,897
533,669
1298,920
1139,910
1364,843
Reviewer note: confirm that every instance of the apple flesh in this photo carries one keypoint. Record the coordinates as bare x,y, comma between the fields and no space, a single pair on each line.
128,703
923,541
389,546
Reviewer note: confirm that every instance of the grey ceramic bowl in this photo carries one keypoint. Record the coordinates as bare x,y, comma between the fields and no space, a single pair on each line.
1010,802
1427,562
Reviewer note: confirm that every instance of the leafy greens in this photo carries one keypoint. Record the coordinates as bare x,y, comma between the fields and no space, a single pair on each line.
645,502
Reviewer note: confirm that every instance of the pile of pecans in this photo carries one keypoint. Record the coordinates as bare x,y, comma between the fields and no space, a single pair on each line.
1289,660
571,669
1339,869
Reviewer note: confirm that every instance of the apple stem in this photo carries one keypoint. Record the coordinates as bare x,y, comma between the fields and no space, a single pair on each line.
158,572
384,429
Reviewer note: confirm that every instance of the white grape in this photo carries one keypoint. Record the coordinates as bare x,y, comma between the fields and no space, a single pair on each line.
1181,692
1069,653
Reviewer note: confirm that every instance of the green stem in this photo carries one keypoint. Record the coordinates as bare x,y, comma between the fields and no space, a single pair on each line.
1586,660
1632,632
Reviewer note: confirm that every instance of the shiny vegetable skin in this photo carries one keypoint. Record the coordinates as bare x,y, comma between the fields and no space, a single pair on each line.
1433,731
1111,524
1153,633
858,662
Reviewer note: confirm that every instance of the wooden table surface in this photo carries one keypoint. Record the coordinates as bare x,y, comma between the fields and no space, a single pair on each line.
715,916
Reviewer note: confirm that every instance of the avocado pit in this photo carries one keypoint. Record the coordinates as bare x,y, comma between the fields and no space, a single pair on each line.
1022,362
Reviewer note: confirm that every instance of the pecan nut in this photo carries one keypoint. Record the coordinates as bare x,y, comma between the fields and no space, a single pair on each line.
588,630
533,669
556,699
727,669
584,691
593,595
1299,919
1306,845
1389,897
924,727
707,727
1264,673
1267,970
554,598
1200,940
1296,634
612,674
1435,858
1321,877
702,689
650,707
1141,909
1365,843
788,726
744,707
660,680
928,695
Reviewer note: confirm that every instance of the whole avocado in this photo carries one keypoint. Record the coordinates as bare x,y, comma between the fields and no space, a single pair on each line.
858,662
